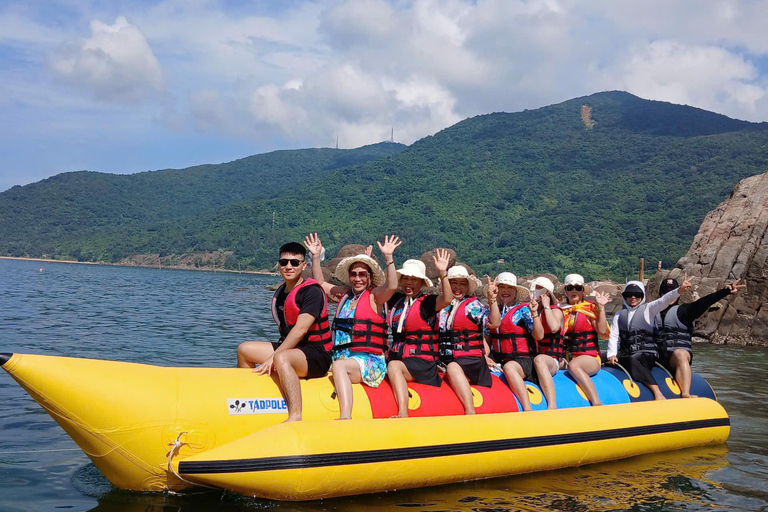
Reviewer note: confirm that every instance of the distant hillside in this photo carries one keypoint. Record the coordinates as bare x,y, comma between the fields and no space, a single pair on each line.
58,215
588,185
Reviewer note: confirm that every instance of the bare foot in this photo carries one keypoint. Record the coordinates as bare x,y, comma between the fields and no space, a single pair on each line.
596,404
469,413
399,415
291,420
689,396
344,418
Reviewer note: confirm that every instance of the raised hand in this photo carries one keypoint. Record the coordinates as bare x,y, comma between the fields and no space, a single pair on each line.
492,290
602,298
368,251
442,259
734,287
534,307
391,242
313,244
686,284
546,301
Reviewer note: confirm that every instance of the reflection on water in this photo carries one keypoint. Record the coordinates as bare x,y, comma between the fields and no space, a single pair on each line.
197,319
651,482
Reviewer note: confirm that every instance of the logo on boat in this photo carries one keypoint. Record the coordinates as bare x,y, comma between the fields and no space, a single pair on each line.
257,406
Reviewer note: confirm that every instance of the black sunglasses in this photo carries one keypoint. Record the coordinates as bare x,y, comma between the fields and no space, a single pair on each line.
629,295
285,261
571,287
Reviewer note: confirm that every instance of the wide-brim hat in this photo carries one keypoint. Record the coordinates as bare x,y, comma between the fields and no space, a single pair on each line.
510,279
416,268
460,272
342,269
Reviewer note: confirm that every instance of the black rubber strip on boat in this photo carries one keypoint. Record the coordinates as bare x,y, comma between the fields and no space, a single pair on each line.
4,358
443,450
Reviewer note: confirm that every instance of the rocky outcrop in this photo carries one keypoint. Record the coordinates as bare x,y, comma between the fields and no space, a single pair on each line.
731,244
215,260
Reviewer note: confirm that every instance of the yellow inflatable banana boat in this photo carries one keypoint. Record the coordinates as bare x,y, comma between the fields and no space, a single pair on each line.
152,428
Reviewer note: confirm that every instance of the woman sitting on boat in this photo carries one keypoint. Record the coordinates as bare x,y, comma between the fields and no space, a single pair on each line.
551,353
462,346
513,329
413,320
359,327
583,322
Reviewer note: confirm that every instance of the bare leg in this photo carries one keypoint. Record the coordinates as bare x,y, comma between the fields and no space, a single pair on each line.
546,367
253,353
345,373
458,381
514,374
657,395
681,364
289,366
582,368
399,376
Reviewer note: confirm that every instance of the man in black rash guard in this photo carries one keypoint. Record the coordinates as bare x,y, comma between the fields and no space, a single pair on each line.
300,310
674,329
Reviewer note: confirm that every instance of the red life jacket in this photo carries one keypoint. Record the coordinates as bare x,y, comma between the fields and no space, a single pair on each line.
464,338
319,331
418,339
367,329
582,340
511,341
552,342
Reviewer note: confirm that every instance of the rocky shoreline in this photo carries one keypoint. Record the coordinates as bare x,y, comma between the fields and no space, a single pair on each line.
130,262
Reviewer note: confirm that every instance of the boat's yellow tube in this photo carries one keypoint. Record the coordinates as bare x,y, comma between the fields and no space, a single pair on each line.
132,419
126,416
305,461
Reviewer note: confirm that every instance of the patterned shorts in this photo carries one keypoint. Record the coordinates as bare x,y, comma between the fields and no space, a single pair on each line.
373,367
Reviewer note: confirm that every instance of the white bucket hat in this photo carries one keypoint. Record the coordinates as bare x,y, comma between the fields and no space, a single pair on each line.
544,283
574,279
460,272
415,268
342,269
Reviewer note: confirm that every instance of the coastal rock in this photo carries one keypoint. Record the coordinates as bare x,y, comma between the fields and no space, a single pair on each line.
731,244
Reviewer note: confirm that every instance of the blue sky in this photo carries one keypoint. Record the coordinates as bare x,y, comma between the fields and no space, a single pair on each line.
130,86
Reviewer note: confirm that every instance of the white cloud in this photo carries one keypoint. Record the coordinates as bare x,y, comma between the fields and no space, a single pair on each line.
115,63
288,74
708,77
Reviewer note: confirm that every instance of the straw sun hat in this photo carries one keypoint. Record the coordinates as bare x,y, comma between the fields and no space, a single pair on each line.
342,269
459,272
510,279
415,268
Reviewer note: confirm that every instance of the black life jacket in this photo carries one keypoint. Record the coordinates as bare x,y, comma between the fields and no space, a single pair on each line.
638,335
671,333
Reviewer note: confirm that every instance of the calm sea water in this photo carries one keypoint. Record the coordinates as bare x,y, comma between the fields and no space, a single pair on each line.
179,318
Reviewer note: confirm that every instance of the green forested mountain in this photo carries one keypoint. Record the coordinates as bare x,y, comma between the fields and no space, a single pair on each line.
588,185
72,213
